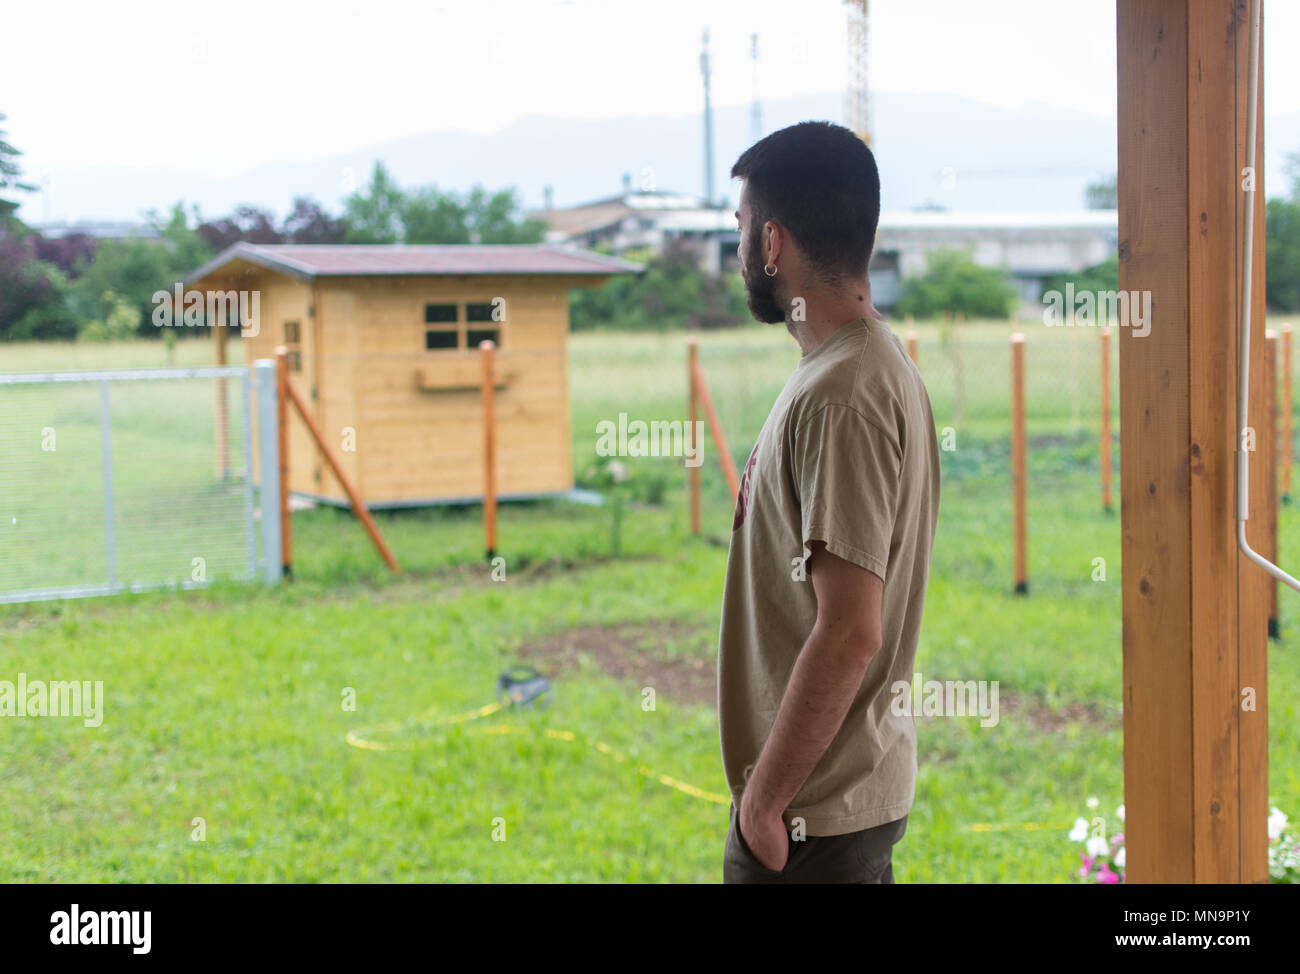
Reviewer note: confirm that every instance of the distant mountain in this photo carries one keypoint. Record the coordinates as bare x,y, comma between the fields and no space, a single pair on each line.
932,149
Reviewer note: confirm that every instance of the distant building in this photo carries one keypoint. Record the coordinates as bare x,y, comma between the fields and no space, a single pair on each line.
647,218
99,229
1030,246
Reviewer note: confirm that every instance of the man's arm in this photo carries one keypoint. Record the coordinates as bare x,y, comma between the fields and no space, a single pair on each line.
825,679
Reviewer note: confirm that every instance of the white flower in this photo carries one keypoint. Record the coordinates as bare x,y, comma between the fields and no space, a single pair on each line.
1080,830
1120,857
1092,803
1276,822
1119,812
617,472
1098,846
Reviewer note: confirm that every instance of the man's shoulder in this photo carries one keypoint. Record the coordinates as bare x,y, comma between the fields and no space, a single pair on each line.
868,372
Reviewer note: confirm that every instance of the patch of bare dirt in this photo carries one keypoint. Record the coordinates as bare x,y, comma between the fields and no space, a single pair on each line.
674,657
1045,718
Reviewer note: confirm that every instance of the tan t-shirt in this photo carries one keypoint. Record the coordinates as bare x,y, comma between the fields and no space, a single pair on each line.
847,456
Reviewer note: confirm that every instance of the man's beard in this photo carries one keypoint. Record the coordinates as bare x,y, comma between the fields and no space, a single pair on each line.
761,289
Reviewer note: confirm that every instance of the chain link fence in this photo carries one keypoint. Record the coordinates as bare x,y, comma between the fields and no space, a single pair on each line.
115,481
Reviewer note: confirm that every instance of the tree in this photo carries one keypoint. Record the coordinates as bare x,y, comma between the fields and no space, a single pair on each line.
497,218
430,216
10,172
1100,277
34,296
375,215
134,268
307,223
247,223
952,282
1282,244
1102,194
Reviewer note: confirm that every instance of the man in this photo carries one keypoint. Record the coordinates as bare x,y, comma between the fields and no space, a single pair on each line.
833,530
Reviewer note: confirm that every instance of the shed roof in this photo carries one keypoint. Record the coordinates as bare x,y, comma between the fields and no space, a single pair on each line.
310,261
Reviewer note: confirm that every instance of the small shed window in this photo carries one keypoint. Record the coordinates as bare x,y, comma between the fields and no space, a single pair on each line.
489,331
442,326
435,338
293,345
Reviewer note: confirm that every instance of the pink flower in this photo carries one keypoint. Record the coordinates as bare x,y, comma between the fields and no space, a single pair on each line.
1117,838
1106,876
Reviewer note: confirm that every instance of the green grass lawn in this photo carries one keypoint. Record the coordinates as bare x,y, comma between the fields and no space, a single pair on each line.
226,704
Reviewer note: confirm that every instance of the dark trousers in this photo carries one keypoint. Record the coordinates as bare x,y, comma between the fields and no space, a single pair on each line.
855,857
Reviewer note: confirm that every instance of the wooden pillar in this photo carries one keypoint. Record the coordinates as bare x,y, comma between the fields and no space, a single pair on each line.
911,348
1194,632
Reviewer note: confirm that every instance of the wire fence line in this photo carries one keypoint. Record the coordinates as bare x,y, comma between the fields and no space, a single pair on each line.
119,480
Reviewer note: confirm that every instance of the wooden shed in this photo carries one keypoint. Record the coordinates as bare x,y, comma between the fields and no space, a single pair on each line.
383,344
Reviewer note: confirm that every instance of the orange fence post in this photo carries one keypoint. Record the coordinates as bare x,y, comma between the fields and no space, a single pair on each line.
911,348
282,421
1018,459
1105,420
1267,442
489,450
724,455
358,507
692,365
1286,413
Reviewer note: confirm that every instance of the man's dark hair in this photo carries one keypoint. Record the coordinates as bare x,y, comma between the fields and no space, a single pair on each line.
820,181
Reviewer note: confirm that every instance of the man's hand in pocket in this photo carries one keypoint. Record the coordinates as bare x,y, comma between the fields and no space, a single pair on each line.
764,832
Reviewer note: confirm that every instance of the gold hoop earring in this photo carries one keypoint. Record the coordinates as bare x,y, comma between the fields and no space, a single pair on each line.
769,269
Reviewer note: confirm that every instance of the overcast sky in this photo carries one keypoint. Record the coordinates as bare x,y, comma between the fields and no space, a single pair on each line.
221,87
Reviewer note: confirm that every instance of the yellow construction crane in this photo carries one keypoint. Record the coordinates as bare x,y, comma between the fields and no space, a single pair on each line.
857,109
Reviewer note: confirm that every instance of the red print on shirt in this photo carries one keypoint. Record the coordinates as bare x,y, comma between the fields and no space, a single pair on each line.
742,501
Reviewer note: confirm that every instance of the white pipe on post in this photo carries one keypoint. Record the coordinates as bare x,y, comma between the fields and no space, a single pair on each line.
1243,351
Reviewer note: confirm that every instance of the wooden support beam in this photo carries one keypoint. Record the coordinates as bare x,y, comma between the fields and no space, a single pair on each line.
1194,632
358,507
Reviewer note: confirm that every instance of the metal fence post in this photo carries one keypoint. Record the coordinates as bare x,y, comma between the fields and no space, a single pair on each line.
268,452
246,398
106,449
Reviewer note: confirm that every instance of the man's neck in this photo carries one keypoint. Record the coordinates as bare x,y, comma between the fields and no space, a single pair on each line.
823,317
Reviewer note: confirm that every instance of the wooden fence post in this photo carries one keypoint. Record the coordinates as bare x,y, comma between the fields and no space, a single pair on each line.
487,348
1018,459
282,423
1105,421
693,364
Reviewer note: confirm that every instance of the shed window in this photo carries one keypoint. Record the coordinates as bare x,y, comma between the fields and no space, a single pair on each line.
441,314
442,326
435,338
293,345
476,335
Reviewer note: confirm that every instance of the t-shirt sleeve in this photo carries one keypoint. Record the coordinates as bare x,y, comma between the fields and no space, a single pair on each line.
847,471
